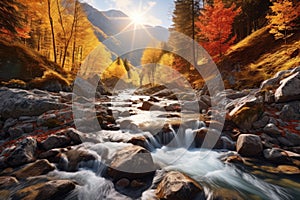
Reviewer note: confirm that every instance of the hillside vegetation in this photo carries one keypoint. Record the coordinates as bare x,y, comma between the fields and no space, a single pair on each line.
23,67
258,57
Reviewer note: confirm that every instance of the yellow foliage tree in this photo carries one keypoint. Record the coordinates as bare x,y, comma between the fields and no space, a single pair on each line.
149,61
282,18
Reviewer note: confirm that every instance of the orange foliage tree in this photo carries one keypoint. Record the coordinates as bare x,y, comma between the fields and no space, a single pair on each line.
215,28
284,13
12,22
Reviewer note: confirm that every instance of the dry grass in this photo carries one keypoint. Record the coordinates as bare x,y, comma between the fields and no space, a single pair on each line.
19,65
259,57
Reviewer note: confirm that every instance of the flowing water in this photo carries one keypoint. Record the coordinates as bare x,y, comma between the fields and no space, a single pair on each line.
202,165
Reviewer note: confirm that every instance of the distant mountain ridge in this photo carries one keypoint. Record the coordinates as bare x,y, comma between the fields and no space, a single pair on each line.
113,22
109,22
114,14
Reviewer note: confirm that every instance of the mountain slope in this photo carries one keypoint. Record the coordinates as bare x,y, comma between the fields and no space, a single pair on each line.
110,22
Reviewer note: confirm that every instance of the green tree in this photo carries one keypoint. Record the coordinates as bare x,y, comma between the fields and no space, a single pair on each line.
186,12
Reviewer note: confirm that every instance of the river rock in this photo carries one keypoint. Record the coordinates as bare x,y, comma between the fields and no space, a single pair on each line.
246,111
177,186
74,135
51,155
131,162
165,135
75,157
23,153
174,107
195,106
293,138
123,183
207,138
10,122
37,168
274,81
8,181
249,145
153,99
16,102
226,194
163,93
236,159
55,141
289,89
272,130
290,111
285,142
15,132
288,169
277,156
261,123
57,189
150,106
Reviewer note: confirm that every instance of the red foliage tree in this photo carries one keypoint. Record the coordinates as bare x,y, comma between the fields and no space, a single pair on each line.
215,25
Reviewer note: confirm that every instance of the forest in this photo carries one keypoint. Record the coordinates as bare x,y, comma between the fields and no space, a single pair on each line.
61,31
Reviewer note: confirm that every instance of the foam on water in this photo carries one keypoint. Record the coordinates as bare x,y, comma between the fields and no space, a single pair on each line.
206,168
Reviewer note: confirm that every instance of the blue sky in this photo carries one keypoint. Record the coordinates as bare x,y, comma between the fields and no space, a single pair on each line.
155,12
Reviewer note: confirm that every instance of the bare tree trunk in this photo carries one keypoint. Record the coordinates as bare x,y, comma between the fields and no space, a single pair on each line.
67,40
194,34
74,48
52,29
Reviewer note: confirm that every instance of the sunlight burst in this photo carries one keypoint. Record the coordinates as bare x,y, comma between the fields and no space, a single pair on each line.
137,18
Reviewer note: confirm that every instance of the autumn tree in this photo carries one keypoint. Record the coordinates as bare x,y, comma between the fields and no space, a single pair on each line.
215,24
281,20
149,61
11,20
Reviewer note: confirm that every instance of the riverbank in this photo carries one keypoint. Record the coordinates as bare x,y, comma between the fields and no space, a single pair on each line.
150,144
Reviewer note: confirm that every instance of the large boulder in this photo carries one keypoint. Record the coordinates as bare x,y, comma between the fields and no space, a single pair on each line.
177,186
289,89
23,153
131,162
247,110
249,145
15,103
